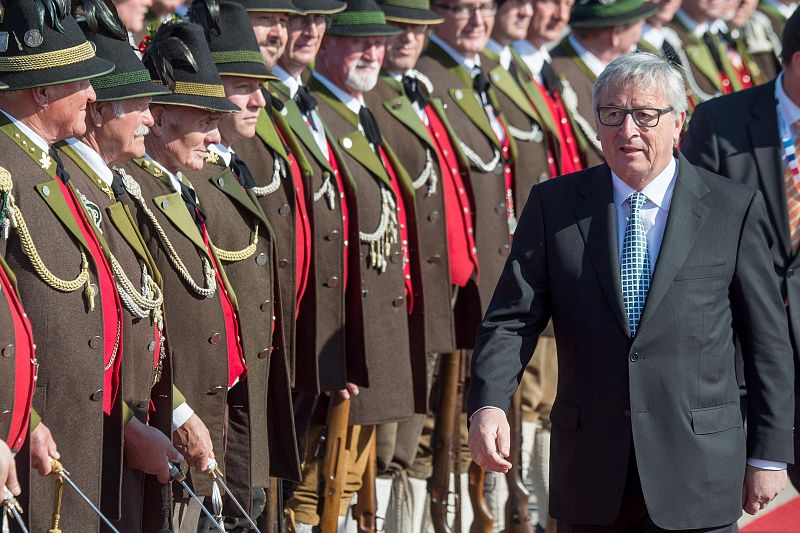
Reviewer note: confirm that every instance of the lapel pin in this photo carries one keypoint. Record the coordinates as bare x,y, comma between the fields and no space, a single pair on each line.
33,38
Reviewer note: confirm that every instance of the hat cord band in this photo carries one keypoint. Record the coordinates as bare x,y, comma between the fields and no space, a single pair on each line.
358,17
198,89
122,78
45,60
237,56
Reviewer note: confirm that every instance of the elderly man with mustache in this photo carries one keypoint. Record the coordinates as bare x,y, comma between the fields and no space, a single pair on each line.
116,124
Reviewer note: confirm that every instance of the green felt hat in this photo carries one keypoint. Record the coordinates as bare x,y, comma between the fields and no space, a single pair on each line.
320,7
409,12
361,18
607,13
270,6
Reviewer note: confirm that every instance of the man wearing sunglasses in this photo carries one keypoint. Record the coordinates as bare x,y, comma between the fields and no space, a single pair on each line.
649,268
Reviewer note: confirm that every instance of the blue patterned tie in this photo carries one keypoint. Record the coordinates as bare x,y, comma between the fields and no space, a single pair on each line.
635,268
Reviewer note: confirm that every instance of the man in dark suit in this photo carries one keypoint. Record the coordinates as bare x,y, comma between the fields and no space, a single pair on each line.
740,137
649,267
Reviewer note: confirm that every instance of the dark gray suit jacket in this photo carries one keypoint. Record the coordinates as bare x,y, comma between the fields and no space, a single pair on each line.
670,392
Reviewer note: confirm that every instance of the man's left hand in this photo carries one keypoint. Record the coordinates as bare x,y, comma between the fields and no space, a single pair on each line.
760,487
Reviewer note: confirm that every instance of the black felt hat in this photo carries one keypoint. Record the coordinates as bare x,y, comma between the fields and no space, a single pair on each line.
178,56
272,6
320,7
41,44
233,44
409,12
361,18
607,13
102,27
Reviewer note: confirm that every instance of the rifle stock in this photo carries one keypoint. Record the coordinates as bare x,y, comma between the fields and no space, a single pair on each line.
365,506
517,518
446,439
334,462
483,520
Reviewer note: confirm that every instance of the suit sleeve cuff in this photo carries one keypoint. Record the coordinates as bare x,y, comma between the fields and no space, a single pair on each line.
127,413
484,408
180,415
35,419
766,465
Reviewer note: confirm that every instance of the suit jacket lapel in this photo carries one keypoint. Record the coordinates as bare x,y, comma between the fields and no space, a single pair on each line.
175,210
597,221
51,194
400,108
533,94
265,129
465,99
686,216
295,121
226,182
765,139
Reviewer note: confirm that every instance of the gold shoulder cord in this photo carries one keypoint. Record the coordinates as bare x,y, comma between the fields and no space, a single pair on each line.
241,255
29,248
210,275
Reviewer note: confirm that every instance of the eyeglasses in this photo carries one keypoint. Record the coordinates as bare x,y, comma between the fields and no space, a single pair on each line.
462,12
644,117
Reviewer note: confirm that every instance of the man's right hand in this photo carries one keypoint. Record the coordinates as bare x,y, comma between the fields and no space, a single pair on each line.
8,471
490,439
43,448
194,442
349,392
149,450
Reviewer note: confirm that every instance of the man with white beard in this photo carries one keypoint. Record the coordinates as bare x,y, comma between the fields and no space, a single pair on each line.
379,280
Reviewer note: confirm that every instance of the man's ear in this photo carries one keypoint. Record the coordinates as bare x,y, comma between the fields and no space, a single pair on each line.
94,113
157,128
41,95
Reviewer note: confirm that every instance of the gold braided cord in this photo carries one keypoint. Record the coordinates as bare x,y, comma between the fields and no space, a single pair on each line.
29,248
211,281
241,255
198,89
148,304
52,59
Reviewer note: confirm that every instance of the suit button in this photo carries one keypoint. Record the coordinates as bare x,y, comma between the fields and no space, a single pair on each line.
97,396
263,354
214,338
500,209
435,259
266,306
5,415
634,357
333,281
221,182
504,250
144,404
397,302
152,346
434,216
333,234
8,351
397,257
790,273
283,263
284,210
215,390
627,413
261,259
95,342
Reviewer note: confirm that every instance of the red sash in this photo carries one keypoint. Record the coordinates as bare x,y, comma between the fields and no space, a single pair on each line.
462,252
24,366
569,154
109,301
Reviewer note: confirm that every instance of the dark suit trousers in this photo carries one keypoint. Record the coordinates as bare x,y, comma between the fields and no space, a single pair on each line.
633,516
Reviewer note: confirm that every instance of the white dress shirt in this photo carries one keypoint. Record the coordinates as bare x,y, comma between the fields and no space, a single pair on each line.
654,36
788,108
412,73
93,159
534,58
699,28
595,64
37,139
316,127
225,152
503,51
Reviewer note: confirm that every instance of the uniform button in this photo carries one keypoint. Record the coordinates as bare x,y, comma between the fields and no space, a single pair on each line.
500,209
434,216
164,204
284,210
152,346
397,302
95,342
397,257
283,263
634,357
215,390
221,182
8,351
505,250
563,120
627,413
261,259
97,396
266,306
46,190
144,404
326,174
5,415
333,234
263,354
333,281
435,259
215,338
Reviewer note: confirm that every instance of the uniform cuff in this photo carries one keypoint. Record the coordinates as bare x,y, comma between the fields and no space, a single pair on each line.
180,415
177,397
127,413
35,419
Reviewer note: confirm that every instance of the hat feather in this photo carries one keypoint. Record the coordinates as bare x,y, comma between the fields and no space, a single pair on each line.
52,11
168,49
206,14
100,15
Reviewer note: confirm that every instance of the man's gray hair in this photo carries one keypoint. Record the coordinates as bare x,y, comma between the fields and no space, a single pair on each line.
644,70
